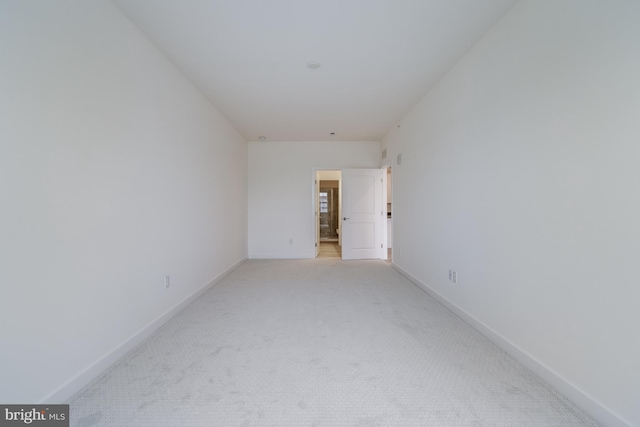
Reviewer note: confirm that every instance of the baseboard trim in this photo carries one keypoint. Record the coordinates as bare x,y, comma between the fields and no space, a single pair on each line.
591,406
75,384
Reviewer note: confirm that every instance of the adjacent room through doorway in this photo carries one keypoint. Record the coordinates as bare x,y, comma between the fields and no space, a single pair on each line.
328,210
329,202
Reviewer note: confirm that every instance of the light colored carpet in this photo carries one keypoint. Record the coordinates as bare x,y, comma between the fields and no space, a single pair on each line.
319,342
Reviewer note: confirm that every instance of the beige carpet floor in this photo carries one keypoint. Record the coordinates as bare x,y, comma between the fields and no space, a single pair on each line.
319,342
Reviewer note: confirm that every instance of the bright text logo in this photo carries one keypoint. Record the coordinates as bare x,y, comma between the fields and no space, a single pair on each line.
37,415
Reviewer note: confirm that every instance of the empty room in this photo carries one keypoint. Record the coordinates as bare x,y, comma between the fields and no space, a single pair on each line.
172,173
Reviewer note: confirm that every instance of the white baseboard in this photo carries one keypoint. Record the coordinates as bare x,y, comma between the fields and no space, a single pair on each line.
591,406
75,384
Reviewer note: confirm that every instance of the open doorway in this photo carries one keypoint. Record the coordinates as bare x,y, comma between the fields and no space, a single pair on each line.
329,204
328,211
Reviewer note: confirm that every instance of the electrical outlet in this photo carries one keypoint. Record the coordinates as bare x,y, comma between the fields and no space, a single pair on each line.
453,276
167,282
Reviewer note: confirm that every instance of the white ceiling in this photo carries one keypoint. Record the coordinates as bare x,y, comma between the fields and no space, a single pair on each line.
378,58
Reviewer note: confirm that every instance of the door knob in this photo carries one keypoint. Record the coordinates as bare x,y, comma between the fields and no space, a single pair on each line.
345,218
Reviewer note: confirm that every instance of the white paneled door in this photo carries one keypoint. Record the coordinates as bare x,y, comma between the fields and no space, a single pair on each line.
317,212
363,213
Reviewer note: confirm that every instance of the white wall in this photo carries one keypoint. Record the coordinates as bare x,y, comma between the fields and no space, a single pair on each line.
521,170
281,191
114,172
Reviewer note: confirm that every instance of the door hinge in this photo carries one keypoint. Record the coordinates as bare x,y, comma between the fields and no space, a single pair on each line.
316,245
